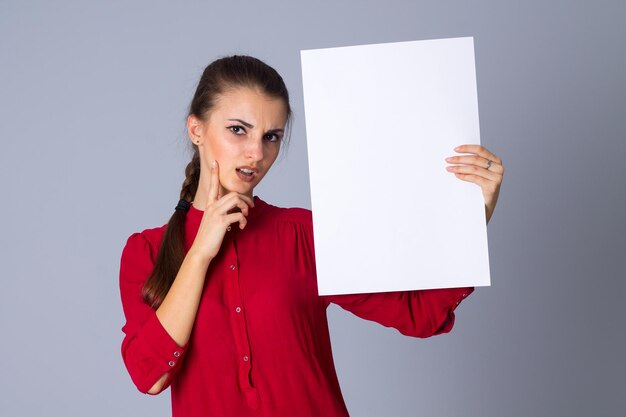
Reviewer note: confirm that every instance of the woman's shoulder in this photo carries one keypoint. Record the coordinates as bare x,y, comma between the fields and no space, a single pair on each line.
152,235
139,254
146,239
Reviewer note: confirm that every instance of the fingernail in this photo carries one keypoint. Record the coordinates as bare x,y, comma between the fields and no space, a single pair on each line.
458,148
448,159
213,164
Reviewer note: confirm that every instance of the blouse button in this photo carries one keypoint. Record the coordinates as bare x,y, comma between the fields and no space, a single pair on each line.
171,363
238,309
245,359
232,267
177,353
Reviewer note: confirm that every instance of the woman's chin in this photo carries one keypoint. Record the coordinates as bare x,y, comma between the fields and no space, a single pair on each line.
240,187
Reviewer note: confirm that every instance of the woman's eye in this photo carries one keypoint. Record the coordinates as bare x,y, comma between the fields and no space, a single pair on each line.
237,130
272,137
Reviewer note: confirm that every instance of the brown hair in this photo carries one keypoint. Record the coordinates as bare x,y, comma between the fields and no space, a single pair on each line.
219,76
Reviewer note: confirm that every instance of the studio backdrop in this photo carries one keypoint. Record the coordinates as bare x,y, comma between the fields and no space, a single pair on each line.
93,98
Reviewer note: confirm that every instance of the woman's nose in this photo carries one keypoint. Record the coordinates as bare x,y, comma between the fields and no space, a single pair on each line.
254,149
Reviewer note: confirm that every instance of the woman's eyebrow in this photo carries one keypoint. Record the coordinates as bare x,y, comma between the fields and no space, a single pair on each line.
250,126
246,124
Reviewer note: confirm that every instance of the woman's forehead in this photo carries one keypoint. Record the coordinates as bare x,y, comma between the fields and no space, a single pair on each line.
250,105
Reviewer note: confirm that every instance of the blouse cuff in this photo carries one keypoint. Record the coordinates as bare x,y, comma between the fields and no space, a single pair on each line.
167,353
452,298
459,294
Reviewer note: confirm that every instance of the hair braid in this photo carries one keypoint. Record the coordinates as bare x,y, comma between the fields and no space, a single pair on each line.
172,250
192,178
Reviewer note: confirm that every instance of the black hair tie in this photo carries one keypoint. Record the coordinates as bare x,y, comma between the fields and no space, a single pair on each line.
183,205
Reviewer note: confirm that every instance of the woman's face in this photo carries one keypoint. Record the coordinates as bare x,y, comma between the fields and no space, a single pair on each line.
243,133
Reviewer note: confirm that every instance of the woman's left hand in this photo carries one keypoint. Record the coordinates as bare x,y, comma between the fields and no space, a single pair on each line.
482,168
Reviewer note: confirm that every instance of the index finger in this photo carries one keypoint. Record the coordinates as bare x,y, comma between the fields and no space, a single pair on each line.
214,183
478,150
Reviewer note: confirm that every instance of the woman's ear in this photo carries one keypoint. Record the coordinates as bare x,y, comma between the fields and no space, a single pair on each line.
195,127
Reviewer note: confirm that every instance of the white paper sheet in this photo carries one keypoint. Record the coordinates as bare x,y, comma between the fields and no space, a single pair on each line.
380,120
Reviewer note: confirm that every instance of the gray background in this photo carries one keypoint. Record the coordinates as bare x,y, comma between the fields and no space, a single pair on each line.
92,100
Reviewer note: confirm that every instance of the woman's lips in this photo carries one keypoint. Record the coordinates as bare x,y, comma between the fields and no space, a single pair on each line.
245,177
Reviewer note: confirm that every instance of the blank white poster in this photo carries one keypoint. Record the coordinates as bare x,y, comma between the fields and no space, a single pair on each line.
380,121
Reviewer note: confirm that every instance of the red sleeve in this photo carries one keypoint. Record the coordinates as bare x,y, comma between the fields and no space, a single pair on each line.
419,313
147,349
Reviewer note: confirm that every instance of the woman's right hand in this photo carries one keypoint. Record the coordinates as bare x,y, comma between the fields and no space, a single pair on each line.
217,219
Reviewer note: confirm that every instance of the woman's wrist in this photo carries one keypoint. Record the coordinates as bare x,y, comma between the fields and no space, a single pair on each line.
196,256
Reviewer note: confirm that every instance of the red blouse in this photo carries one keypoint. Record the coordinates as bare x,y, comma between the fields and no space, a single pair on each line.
260,344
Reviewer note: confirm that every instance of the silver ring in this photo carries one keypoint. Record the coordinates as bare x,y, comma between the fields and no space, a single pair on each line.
488,163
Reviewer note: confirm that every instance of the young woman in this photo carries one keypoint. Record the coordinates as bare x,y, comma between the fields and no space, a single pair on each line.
221,303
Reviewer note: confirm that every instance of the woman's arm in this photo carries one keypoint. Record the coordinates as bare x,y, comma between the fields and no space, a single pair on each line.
148,350
156,341
417,313
178,310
